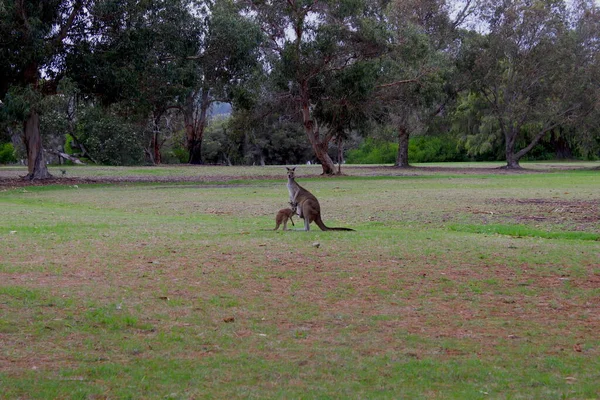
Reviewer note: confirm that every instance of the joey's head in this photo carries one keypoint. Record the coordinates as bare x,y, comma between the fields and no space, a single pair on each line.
290,172
293,206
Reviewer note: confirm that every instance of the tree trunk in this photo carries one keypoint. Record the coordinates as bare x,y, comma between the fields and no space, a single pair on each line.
155,145
340,149
512,162
156,149
319,145
77,144
562,150
36,162
512,158
195,149
326,161
402,157
227,159
194,125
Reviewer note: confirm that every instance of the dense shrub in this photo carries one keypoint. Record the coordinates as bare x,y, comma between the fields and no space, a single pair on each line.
69,144
177,154
109,138
373,151
420,149
7,153
434,149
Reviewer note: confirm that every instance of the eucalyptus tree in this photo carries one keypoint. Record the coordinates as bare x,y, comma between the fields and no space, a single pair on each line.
529,72
139,58
417,79
267,129
154,56
408,88
226,56
347,103
35,37
586,34
308,42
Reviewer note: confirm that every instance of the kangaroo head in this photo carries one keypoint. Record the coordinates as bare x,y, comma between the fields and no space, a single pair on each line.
294,206
290,172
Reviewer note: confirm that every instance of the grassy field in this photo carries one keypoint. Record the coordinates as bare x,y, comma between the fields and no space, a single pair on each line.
460,281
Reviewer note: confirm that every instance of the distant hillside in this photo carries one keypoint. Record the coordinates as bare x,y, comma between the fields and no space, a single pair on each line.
220,109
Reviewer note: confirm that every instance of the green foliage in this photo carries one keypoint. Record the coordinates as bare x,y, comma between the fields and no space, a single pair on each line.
435,149
373,152
141,62
180,153
346,65
523,231
478,133
110,138
219,145
531,72
7,153
68,144
57,111
29,40
420,149
266,137
18,103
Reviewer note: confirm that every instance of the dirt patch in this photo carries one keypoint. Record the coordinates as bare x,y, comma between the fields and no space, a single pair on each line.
574,212
13,183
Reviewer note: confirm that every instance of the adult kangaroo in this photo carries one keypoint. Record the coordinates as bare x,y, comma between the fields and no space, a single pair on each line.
307,204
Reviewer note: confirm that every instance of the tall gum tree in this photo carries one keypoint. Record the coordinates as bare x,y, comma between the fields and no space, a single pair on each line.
528,71
153,56
227,54
308,40
413,86
141,55
35,39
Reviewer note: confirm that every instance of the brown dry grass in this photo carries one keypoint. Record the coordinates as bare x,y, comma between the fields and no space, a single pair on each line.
156,290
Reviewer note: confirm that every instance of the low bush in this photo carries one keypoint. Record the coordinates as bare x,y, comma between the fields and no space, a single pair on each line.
420,149
435,149
373,151
7,153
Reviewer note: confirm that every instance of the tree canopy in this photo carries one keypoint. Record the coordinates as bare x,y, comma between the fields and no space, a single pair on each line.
497,79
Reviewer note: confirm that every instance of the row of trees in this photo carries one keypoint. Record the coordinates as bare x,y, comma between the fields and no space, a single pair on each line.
121,76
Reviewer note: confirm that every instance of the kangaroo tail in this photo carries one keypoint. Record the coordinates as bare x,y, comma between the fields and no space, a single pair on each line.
323,227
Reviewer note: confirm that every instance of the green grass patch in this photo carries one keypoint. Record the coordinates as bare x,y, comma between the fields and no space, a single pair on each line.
522,231
183,290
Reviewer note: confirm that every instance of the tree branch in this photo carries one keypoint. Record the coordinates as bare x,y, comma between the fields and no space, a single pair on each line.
21,8
396,83
68,23
548,127
462,15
